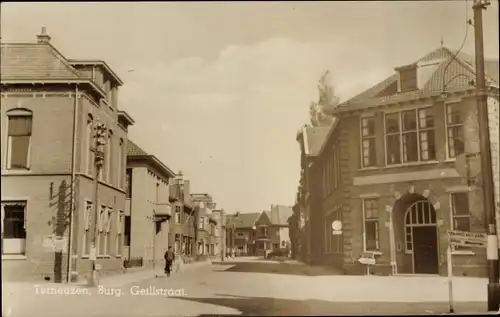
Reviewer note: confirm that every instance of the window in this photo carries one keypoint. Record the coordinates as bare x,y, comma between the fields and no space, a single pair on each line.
368,142
128,183
455,130
89,139
371,229
87,218
460,213
119,230
127,231
108,154
14,228
263,232
19,141
201,224
410,136
119,162
101,234
107,232
408,78
177,214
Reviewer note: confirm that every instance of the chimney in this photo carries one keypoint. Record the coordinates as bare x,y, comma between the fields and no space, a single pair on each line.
43,37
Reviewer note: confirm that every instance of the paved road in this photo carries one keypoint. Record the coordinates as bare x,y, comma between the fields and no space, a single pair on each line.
252,289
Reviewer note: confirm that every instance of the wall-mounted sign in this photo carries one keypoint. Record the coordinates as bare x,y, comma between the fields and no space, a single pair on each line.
337,227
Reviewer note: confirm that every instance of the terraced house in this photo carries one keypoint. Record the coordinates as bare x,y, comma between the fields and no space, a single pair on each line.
394,170
148,210
49,110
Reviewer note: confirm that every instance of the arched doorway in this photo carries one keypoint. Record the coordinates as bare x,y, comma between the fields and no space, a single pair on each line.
421,237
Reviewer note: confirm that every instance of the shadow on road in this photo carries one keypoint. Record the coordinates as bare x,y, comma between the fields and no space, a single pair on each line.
264,306
280,268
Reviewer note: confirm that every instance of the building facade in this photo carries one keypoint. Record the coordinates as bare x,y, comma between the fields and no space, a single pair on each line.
398,149
148,210
272,231
206,240
241,233
49,110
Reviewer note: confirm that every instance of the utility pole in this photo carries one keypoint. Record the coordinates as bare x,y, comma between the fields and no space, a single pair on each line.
486,167
100,141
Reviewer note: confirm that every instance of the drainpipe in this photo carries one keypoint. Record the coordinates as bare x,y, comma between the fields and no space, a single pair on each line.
73,179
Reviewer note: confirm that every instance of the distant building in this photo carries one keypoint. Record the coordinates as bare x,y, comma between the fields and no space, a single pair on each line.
49,110
241,234
206,238
272,229
148,210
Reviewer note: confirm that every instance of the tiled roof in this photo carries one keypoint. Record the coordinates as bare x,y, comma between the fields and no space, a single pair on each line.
279,214
449,74
314,138
34,61
134,150
243,220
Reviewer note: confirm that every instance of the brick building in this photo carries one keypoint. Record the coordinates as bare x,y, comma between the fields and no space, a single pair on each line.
240,233
272,231
391,165
49,108
148,210
206,233
183,226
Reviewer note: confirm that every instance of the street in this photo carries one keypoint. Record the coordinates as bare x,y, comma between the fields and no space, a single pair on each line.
249,287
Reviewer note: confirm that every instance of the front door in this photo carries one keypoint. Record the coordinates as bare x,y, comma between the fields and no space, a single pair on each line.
425,252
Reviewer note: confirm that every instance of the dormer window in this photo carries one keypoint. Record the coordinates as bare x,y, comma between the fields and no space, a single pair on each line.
407,78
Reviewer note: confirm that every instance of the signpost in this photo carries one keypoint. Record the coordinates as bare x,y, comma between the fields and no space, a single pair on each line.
461,239
367,259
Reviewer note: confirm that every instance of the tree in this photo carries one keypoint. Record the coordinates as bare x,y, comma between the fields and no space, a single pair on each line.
326,101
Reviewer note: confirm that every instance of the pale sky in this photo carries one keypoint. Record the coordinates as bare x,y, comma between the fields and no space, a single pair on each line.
219,90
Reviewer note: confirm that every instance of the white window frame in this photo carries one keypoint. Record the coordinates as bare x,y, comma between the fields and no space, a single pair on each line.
120,219
201,224
17,201
372,220
107,231
100,230
362,138
21,113
401,133
87,227
460,250
89,157
448,127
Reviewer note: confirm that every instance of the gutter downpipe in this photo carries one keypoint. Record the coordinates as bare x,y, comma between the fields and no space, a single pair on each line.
73,180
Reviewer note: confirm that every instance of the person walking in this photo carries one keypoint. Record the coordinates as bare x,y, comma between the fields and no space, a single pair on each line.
169,259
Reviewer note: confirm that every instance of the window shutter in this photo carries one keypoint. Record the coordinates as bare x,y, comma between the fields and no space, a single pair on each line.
86,215
119,219
102,218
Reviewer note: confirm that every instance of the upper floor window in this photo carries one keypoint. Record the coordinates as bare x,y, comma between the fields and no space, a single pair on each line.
455,130
89,145
128,183
368,142
263,232
108,152
410,136
178,214
120,166
201,225
19,141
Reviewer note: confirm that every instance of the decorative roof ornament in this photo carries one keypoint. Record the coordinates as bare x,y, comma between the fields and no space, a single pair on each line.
320,111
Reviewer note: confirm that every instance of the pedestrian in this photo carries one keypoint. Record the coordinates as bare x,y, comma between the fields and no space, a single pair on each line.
178,263
169,259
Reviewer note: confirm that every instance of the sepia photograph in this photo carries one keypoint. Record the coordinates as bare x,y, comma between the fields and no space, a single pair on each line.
250,158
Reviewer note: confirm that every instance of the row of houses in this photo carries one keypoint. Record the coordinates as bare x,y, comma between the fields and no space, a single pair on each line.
257,234
53,203
395,168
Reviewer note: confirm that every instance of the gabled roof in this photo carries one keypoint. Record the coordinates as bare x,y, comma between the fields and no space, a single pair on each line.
134,150
451,71
243,221
135,153
313,138
279,214
34,61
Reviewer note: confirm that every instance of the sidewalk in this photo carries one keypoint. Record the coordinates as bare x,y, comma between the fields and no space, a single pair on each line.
112,281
